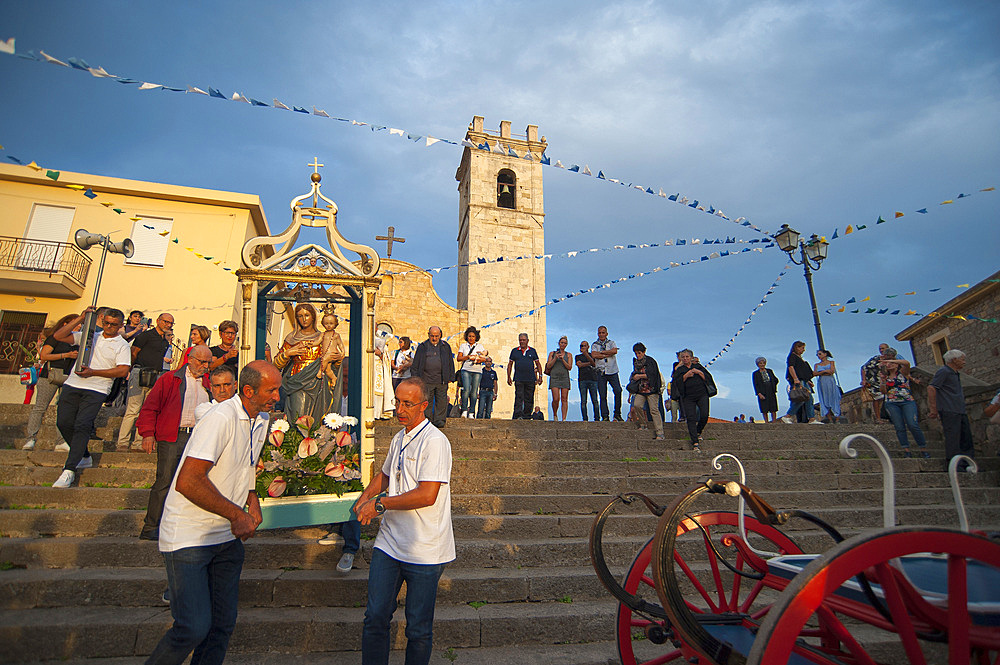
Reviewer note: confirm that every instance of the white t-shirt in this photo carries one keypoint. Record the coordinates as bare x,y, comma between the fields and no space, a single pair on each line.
226,437
202,409
400,356
423,535
109,352
466,350
606,365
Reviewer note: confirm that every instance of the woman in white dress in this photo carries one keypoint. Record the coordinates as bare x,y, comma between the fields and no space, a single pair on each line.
385,401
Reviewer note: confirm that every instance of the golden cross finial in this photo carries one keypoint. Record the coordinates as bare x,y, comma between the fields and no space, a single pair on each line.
315,165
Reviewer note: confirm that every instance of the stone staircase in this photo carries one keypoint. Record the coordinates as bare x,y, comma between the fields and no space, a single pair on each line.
77,584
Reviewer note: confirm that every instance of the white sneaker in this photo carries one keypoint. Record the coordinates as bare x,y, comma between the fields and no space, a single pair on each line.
65,479
469,415
787,420
86,463
332,538
346,563
62,448
815,422
29,445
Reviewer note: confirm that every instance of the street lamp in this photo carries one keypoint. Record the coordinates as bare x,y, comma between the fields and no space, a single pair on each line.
812,253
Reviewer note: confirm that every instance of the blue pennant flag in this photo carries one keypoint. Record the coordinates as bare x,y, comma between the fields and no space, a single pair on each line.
711,210
255,102
76,63
575,168
299,109
126,81
90,193
745,224
649,190
212,92
681,241
500,258
510,151
545,159
704,258
481,260
851,300
834,235
14,159
167,87
600,174
883,311
729,240
923,211
630,246
961,196
937,289
672,197
694,204
724,252
894,312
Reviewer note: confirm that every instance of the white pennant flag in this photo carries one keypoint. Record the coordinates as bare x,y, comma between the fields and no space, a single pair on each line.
662,193
238,97
468,144
586,170
320,113
7,46
54,61
150,86
431,141
393,130
279,105
197,91
571,254
99,72
559,164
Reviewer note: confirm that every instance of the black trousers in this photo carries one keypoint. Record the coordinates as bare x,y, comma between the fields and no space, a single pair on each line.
524,399
957,434
75,416
437,406
168,456
696,415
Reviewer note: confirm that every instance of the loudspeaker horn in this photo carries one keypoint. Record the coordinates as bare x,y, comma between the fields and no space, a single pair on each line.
126,247
85,239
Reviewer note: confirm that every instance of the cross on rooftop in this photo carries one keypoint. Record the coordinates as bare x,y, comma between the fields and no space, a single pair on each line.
315,165
391,238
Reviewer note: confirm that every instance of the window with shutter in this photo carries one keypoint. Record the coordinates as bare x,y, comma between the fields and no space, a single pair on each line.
49,223
151,236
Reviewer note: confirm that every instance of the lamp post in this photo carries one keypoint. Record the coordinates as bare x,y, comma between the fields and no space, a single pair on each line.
812,253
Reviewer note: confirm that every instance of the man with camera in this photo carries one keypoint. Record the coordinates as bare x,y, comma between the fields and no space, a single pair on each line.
148,351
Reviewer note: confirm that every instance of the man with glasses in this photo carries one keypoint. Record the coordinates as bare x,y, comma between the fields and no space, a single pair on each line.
165,424
226,352
84,390
415,539
148,350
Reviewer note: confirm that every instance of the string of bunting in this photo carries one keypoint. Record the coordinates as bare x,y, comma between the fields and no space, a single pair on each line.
7,46
910,312
854,300
606,285
750,316
110,205
896,215
676,242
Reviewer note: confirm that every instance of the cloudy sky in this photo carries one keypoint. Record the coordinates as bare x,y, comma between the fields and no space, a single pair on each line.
815,114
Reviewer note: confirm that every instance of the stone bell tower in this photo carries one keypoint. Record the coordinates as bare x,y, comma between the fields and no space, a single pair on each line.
501,214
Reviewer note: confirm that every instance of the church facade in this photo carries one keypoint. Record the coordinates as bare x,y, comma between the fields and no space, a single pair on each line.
501,214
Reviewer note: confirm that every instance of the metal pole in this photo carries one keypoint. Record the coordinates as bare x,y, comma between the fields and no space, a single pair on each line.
812,296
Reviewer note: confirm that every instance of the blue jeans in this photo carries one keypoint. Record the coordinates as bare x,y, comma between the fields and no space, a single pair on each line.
904,417
470,389
204,585
616,386
350,531
75,415
485,405
385,577
589,388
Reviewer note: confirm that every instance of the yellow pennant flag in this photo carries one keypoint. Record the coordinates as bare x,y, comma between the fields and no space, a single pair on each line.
959,316
988,189
910,293
216,262
190,249
76,187
898,214
136,218
33,165
961,286
841,309
866,298
933,314
850,229
947,202
107,204
164,233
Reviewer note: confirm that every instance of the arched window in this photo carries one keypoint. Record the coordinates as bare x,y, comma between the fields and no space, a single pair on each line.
506,187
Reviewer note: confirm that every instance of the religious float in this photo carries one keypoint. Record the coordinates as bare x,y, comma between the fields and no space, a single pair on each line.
317,459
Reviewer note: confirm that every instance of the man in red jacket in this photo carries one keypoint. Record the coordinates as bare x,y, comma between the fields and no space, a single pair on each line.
165,423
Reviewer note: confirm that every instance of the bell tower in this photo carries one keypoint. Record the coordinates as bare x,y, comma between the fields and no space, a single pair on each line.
501,214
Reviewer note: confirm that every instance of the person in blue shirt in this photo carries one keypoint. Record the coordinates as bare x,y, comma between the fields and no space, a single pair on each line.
527,373
487,390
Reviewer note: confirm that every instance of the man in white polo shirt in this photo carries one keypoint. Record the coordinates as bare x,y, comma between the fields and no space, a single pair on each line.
211,509
415,539
84,391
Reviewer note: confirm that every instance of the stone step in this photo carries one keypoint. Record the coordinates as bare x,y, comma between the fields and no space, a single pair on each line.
57,633
588,653
141,587
43,522
114,498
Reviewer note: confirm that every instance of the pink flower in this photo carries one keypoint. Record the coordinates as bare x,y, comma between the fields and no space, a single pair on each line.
277,437
308,447
304,423
334,470
343,439
277,487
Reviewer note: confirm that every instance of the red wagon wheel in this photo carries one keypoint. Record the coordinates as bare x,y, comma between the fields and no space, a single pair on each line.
717,592
953,594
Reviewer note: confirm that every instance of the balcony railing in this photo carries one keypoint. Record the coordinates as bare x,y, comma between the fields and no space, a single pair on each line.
44,256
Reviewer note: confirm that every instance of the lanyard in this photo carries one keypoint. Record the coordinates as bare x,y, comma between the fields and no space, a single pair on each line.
399,465
253,428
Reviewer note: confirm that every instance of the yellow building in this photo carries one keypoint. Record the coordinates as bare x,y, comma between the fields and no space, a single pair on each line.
44,275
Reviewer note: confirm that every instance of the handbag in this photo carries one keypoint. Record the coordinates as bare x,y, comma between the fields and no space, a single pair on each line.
148,376
800,393
633,386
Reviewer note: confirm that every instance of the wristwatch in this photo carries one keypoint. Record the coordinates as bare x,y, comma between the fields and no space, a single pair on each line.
379,508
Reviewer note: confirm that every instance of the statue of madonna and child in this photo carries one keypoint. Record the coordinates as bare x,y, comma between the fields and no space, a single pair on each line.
311,364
